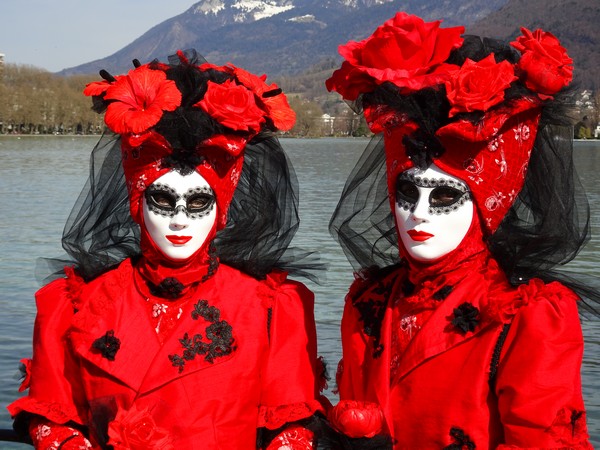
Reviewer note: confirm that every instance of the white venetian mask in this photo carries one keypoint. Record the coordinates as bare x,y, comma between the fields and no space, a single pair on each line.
179,213
433,211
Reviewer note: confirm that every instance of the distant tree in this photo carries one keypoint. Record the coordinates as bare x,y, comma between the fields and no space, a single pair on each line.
309,114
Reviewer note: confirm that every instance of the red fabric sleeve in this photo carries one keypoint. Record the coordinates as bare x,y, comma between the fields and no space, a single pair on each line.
538,381
289,381
54,392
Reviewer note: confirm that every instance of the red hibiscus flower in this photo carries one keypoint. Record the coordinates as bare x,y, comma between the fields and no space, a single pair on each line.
135,430
478,86
545,65
96,88
232,105
277,106
405,50
357,419
140,97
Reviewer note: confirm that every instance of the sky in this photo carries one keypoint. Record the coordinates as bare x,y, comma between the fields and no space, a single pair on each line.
57,34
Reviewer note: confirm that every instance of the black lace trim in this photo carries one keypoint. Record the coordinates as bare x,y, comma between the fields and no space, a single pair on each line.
108,345
219,338
170,288
443,293
575,416
496,354
372,312
466,318
462,441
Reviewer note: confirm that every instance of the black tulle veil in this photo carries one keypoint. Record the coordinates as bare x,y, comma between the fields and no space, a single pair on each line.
262,218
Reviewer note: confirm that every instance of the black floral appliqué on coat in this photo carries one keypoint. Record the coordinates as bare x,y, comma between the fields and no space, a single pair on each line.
107,345
168,288
218,339
461,440
466,317
371,307
442,293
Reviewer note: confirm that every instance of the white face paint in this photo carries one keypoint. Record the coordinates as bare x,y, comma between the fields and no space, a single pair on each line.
433,212
179,213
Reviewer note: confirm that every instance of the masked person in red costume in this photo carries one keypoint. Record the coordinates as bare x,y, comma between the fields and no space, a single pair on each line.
177,327
457,333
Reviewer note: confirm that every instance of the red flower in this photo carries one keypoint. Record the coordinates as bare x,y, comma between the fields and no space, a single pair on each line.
478,86
405,50
232,105
546,67
140,97
96,88
277,106
357,419
135,430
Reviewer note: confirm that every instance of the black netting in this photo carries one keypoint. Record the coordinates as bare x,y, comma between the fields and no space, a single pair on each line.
262,219
545,229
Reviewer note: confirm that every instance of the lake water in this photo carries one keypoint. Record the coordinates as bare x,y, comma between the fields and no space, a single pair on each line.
40,178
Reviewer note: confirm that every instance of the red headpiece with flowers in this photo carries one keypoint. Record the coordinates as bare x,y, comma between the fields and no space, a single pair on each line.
188,115
469,105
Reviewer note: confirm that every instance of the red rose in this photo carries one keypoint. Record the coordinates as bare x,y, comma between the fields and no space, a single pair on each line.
350,81
545,65
277,107
140,97
478,86
136,430
405,50
357,419
232,105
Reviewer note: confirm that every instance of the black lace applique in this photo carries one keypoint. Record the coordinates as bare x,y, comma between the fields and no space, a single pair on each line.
461,440
575,416
213,261
219,338
372,311
466,317
443,293
107,345
168,288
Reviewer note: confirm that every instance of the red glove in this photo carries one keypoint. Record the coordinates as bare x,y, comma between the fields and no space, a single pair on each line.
357,419
293,438
48,435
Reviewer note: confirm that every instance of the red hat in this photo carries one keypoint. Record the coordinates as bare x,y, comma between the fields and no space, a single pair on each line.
188,116
472,106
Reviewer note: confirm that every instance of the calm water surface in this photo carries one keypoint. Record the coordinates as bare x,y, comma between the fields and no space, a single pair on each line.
40,178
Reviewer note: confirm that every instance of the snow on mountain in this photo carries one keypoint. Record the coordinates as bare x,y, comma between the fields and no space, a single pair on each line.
208,7
257,10
243,10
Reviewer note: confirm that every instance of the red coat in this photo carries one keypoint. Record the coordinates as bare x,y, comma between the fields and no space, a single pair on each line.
442,394
243,359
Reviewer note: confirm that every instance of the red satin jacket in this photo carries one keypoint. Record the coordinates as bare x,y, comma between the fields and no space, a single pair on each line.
509,378
242,356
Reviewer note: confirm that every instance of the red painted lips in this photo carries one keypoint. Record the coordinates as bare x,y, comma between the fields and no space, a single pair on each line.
419,236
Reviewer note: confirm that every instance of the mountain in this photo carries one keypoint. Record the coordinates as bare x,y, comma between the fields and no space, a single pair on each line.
573,22
287,37
279,37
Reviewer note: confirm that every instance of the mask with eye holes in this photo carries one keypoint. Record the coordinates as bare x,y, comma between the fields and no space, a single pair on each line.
179,214
433,212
